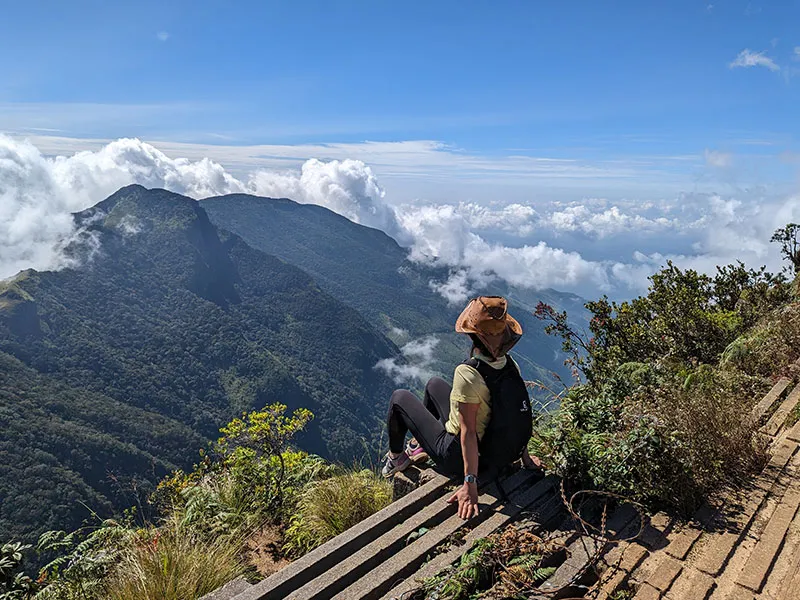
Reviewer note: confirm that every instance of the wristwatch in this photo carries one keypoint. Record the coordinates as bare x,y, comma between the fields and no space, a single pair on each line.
469,478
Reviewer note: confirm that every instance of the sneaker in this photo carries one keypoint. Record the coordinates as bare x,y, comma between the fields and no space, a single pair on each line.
395,465
415,452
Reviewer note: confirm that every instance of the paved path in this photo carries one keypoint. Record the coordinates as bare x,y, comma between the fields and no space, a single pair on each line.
747,546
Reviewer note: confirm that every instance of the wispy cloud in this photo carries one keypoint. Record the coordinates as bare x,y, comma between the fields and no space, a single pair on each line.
162,36
415,363
720,160
748,58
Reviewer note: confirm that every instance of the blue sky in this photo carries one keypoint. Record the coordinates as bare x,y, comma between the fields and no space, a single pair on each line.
564,78
617,134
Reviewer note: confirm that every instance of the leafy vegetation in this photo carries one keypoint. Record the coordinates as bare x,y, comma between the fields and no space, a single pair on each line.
330,506
206,520
508,564
661,411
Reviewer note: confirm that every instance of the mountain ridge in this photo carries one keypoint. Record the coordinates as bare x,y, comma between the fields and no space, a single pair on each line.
188,326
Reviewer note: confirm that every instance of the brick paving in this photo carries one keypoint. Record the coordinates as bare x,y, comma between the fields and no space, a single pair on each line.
748,547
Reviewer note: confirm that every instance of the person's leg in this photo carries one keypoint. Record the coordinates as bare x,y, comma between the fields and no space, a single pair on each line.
406,413
437,398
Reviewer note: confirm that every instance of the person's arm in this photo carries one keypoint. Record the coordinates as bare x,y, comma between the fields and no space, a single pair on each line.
467,494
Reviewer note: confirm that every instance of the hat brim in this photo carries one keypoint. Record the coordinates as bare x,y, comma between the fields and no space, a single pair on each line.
499,336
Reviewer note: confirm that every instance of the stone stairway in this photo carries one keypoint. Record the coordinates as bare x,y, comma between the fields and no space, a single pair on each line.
385,556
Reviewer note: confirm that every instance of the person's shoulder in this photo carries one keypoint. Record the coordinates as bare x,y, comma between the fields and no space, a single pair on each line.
466,371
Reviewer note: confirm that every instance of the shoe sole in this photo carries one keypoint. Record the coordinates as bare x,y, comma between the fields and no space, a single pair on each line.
418,458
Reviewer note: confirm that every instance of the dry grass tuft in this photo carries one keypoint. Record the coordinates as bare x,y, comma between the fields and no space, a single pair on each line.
174,564
330,506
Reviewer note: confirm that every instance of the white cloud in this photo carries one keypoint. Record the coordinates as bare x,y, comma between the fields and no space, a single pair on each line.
162,36
415,362
796,55
456,288
715,158
347,187
611,221
748,58
38,193
552,244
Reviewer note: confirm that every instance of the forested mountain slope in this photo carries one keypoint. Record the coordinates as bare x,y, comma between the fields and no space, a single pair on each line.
170,322
368,270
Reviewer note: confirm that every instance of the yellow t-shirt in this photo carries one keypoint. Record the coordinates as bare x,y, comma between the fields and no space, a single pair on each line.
469,388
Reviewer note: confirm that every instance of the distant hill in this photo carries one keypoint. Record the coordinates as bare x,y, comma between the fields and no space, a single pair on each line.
368,270
361,266
170,327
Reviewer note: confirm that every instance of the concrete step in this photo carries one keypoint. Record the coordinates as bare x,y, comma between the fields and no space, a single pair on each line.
777,391
378,581
541,499
381,553
758,566
778,418
328,555
582,554
717,546
230,590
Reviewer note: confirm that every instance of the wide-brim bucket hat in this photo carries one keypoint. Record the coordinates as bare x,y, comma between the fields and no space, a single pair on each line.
487,317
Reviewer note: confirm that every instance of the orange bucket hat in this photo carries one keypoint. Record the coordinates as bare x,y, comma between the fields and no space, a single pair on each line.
487,317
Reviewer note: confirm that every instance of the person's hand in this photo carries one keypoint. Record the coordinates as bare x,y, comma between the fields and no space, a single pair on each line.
467,498
531,462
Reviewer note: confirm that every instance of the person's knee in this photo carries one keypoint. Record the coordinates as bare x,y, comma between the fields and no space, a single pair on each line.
399,397
437,384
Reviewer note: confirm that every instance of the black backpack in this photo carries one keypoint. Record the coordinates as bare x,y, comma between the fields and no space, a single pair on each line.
510,423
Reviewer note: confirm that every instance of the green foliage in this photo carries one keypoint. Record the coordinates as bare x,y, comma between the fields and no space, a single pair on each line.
14,584
250,477
83,559
175,563
327,507
769,347
788,238
504,565
658,418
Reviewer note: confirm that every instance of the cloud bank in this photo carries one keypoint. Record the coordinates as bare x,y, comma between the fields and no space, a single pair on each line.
589,245
415,361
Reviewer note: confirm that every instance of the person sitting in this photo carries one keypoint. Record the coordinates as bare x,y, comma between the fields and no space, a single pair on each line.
480,423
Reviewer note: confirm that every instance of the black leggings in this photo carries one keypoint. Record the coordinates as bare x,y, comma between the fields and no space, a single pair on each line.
426,421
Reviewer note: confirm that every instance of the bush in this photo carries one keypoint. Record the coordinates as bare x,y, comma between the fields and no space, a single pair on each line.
330,506
662,414
769,347
663,438
173,563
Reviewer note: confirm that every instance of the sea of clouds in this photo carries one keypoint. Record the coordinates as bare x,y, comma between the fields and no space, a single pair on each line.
589,245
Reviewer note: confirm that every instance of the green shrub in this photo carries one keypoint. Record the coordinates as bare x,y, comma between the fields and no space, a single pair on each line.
173,563
669,380
14,584
769,347
330,506
661,437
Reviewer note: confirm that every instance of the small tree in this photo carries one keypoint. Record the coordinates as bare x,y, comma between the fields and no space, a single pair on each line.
787,237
